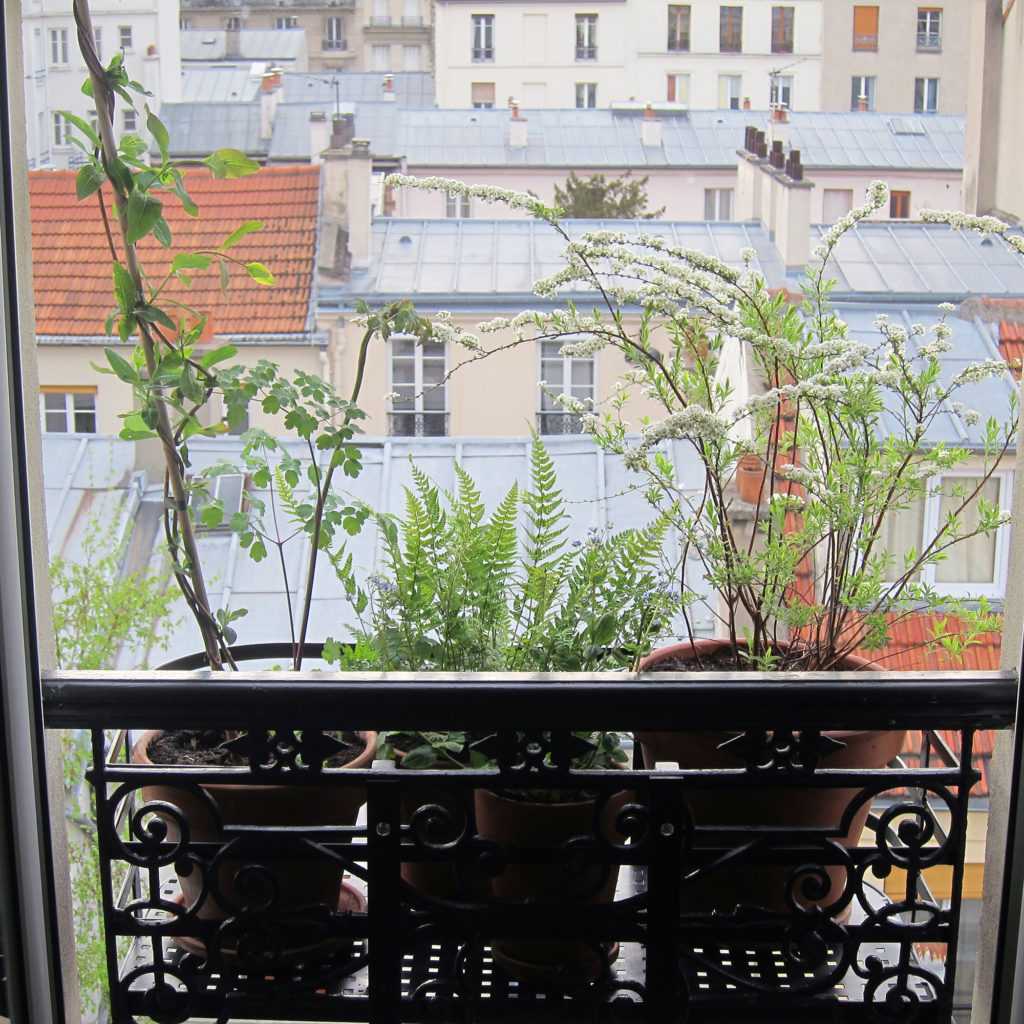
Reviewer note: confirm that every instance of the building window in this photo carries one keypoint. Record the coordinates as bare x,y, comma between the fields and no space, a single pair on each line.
836,204
926,95
380,57
411,57
228,489
286,21
234,23
678,89
782,29
718,204
862,92
481,95
61,131
729,89
563,375
69,410
130,120
865,27
586,37
412,13
975,566
781,91
185,24
929,28
483,37
334,32
679,28
586,94
730,29
457,206
98,36
58,46
418,391
381,12
899,205
124,35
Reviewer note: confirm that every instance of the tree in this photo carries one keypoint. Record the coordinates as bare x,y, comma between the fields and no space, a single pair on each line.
600,198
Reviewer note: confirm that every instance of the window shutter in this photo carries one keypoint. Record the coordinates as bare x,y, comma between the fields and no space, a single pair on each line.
865,21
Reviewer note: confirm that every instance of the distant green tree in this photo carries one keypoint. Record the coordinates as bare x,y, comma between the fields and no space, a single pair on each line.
604,198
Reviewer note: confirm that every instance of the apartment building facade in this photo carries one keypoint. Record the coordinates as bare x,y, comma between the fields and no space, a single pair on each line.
350,35
896,56
700,55
146,32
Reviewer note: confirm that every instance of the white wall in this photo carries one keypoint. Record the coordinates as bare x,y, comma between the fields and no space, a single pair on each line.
53,87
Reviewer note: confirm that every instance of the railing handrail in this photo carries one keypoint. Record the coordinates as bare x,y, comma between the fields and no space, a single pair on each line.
580,701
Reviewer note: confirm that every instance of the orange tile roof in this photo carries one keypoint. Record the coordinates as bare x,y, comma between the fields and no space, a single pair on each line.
71,258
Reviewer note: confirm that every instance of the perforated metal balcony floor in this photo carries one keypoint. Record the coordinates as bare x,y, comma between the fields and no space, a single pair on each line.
441,983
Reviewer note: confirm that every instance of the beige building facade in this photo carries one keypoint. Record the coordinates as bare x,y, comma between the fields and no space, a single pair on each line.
341,35
896,56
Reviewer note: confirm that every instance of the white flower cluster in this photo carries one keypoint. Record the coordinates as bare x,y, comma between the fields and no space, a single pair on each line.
748,255
490,194
877,196
977,372
694,423
970,417
584,348
568,404
589,423
970,222
445,330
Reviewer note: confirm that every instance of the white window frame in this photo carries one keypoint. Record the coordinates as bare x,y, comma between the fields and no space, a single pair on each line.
586,36
719,193
61,130
412,50
233,24
929,95
481,38
334,32
682,78
457,205
69,412
130,121
376,49
780,91
125,37
286,22
735,102
417,387
213,493
97,33
58,47
683,14
567,385
929,28
587,91
868,84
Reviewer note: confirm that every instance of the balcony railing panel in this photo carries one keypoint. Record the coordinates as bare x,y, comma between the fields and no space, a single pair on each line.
395,952
418,424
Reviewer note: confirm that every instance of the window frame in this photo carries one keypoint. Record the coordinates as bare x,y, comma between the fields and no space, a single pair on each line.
69,393
733,14
922,87
125,115
586,36
868,93
672,80
566,385
716,194
61,129
418,390
481,38
929,39
589,93
865,42
779,86
287,23
59,48
735,102
680,28
334,33
903,194
783,13
457,206
125,32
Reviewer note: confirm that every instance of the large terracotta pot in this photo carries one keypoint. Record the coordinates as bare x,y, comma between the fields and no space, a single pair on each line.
750,477
527,824
729,886
299,883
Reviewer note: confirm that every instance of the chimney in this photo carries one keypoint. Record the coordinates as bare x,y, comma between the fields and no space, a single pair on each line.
746,102
518,134
777,157
748,175
233,44
388,88
319,136
650,129
780,115
343,130
791,207
346,228
862,103
270,96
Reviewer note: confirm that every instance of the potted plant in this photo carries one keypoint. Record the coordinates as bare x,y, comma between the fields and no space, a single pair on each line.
814,576
184,388
458,594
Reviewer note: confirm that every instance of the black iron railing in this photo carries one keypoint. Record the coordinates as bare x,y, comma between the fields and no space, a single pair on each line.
418,424
200,907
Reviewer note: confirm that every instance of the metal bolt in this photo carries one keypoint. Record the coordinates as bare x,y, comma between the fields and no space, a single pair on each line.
383,829
668,829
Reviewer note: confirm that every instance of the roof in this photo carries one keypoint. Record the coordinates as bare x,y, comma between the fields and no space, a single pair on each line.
218,85
913,261
71,261
253,44
696,138
197,129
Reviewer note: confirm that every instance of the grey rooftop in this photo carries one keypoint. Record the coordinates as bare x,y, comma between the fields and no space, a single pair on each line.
253,44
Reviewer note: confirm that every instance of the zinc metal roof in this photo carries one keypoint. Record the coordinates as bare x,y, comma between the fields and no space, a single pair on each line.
912,259
197,129
253,44
411,88
697,138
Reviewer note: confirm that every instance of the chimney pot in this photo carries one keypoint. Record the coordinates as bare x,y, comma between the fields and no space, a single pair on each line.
518,129
650,129
778,156
389,87
862,103
746,102
343,128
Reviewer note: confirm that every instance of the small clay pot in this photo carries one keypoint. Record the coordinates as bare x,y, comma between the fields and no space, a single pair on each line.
751,472
725,888
527,824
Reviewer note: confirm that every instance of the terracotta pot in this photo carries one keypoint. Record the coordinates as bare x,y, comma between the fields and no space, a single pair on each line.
750,477
301,882
525,824
727,887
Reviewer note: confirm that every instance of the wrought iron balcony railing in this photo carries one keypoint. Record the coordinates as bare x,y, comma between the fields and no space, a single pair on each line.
418,424
200,905
929,41
559,423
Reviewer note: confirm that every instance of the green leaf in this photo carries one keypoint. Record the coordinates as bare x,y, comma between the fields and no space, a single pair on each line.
135,428
225,279
83,126
420,757
142,211
190,261
259,273
88,180
240,232
162,232
121,367
158,130
231,163
124,289
212,514
153,315
217,355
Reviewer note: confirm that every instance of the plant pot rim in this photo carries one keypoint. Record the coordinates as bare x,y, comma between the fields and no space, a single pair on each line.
689,649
